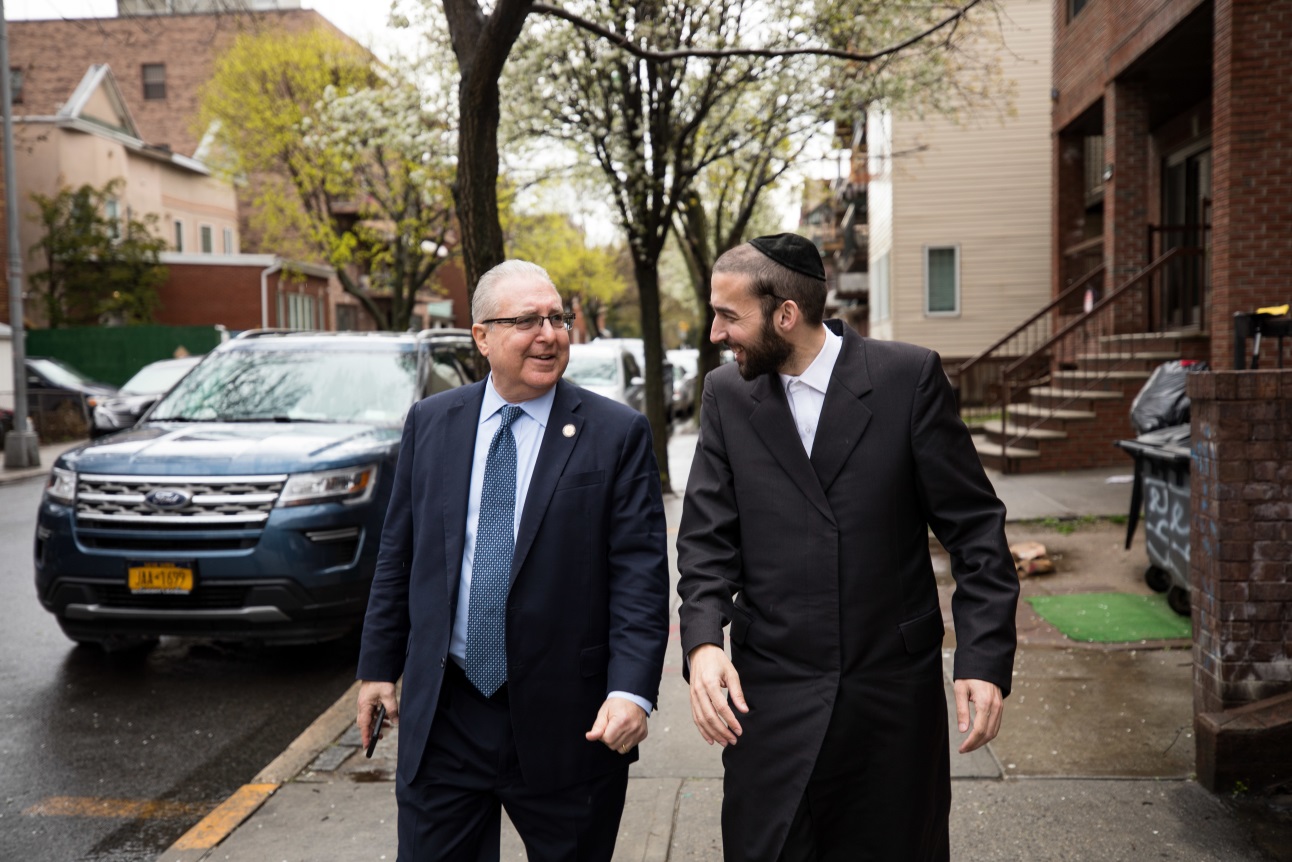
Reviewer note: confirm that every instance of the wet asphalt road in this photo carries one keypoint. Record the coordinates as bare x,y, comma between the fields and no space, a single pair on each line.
113,757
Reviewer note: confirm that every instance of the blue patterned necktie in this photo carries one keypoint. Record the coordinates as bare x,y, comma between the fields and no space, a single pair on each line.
486,659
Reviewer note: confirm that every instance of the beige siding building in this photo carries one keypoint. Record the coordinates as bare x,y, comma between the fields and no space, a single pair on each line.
959,210
92,139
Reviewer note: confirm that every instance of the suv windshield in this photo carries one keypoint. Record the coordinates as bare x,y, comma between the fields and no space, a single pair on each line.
298,385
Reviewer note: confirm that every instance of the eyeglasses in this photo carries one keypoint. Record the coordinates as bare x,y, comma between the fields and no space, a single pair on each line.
532,321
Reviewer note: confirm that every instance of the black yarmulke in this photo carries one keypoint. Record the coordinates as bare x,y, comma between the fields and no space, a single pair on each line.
792,252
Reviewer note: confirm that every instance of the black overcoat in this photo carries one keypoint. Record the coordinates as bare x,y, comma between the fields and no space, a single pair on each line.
822,568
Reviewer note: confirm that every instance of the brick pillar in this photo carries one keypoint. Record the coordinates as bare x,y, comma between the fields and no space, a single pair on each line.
1241,575
1252,173
1126,148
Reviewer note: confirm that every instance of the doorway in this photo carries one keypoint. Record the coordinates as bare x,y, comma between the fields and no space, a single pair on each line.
1186,223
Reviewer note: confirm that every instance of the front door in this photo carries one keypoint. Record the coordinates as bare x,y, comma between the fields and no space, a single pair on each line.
1186,217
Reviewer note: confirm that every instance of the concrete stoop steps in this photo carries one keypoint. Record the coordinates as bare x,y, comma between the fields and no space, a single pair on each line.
1072,422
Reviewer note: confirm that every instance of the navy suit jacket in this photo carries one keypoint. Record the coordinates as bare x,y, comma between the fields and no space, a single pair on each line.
587,612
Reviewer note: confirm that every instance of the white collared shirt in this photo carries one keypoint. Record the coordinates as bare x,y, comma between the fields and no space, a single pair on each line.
806,392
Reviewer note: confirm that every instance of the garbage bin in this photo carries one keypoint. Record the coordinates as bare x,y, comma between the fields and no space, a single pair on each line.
1162,487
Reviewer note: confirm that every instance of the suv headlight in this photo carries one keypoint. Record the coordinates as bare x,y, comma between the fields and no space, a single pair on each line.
61,486
349,485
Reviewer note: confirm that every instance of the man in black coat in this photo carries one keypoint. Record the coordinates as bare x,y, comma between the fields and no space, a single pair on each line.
823,460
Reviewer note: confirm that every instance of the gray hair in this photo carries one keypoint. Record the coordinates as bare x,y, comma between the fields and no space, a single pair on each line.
484,304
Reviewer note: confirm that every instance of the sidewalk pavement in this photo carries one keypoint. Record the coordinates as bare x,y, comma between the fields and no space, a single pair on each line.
48,454
1093,763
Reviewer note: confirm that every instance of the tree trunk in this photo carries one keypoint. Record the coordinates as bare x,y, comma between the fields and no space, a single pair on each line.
647,275
481,43
476,188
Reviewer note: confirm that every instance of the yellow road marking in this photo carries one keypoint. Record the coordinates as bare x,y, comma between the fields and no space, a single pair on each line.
129,809
219,823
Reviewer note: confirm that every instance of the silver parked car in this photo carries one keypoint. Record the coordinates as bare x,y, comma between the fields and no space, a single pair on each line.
686,362
610,370
137,394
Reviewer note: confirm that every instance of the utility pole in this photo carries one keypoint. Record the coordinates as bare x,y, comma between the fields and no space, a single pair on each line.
21,448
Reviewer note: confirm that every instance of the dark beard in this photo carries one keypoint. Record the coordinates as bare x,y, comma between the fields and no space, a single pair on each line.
768,355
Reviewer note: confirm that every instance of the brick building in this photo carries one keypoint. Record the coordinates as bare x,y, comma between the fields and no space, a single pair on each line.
160,60
247,291
1172,158
1171,171
1171,127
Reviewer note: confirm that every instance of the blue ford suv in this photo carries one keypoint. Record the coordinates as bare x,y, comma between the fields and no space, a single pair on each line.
248,503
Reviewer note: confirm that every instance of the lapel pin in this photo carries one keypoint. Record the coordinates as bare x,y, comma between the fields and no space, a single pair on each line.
568,430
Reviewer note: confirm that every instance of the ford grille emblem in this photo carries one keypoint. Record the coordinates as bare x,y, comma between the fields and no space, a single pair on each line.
168,498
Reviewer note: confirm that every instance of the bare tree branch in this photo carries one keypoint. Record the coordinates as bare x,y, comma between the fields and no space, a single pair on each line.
647,54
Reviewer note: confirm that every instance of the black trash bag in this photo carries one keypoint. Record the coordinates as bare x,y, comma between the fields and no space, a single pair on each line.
1171,435
1164,400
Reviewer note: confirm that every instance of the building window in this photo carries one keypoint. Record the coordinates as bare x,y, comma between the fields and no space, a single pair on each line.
302,311
1075,7
206,237
228,240
154,80
942,280
879,308
15,85
179,235
112,211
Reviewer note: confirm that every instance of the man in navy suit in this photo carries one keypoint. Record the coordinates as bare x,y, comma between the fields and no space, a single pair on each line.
522,592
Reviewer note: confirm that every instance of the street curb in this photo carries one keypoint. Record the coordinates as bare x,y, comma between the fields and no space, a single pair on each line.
10,476
197,843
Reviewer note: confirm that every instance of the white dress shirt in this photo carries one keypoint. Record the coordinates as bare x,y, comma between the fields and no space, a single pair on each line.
806,392
528,430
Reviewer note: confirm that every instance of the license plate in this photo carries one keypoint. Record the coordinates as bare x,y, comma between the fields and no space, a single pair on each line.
160,578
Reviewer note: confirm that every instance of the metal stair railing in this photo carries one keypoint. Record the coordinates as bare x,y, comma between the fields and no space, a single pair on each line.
979,379
1081,341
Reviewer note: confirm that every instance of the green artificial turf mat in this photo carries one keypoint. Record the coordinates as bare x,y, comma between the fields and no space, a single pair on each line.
1111,617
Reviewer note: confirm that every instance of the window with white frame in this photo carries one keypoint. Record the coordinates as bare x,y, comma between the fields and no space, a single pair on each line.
228,240
942,280
206,238
879,294
179,234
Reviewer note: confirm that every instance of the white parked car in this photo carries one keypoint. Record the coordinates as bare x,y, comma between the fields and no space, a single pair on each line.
608,369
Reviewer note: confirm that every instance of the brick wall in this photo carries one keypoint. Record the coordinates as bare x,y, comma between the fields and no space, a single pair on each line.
1126,194
1241,537
1101,42
1252,180
202,295
54,56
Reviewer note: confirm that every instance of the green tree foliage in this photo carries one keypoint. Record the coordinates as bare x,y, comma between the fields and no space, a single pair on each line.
353,164
98,269
585,276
